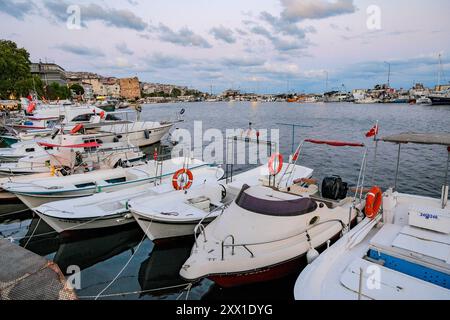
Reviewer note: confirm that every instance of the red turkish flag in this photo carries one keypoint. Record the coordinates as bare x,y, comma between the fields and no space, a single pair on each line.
373,132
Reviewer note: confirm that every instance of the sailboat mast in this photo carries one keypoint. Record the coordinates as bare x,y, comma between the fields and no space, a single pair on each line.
440,72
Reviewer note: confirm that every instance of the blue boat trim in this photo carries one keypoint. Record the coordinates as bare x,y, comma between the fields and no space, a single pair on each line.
412,269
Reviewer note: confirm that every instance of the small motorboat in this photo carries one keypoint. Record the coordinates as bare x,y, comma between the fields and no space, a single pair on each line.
73,158
41,191
178,213
269,231
112,209
401,252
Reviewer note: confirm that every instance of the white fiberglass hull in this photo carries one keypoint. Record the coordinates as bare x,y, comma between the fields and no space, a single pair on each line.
156,230
61,225
336,274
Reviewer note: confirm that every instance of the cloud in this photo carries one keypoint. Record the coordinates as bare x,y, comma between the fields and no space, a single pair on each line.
298,10
285,27
119,18
123,48
162,61
16,9
80,50
184,37
280,43
223,34
242,62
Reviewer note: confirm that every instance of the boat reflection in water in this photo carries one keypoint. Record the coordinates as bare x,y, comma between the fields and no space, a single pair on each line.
83,249
159,274
101,254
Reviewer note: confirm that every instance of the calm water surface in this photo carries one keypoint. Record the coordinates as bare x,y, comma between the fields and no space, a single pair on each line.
101,255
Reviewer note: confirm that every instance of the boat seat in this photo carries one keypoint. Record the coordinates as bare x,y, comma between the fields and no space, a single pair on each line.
281,208
391,284
419,245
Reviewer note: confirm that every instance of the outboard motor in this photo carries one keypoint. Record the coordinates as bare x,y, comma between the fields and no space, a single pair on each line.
334,188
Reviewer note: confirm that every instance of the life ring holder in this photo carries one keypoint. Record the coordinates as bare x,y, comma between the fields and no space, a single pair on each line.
177,175
277,157
374,200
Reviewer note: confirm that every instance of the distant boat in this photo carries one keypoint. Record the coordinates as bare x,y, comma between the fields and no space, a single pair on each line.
440,100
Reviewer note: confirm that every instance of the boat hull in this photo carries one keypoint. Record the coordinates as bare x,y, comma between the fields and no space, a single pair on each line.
268,273
61,225
9,141
440,101
156,230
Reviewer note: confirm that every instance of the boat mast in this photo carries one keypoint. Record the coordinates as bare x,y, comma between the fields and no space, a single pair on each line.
440,72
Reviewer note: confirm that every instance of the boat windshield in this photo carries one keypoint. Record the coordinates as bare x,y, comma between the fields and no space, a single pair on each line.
280,208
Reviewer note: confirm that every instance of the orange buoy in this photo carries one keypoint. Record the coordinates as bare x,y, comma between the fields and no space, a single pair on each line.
277,157
177,175
374,200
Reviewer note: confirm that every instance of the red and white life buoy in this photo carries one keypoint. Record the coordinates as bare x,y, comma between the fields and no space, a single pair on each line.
190,179
31,107
374,201
76,129
274,159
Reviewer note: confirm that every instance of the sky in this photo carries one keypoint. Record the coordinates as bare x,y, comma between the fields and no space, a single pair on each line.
264,46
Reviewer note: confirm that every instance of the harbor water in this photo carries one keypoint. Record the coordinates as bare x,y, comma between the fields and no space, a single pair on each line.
124,264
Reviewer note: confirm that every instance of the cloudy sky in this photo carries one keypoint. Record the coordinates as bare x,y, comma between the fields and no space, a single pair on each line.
252,45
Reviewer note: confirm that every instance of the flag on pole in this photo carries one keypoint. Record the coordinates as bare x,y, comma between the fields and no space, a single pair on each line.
373,132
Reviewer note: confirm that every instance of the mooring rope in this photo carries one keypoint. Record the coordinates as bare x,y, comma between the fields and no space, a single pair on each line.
126,264
112,295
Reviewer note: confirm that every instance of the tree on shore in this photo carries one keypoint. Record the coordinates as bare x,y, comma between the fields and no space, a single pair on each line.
78,89
176,92
14,69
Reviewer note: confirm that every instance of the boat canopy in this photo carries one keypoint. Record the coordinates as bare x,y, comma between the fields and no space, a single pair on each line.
279,208
336,143
74,146
420,138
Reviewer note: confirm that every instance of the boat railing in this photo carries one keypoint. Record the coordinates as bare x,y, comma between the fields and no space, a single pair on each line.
232,246
201,227
247,245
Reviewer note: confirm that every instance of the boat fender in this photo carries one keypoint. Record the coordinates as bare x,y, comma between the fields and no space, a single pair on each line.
312,255
77,128
374,200
274,159
147,133
178,174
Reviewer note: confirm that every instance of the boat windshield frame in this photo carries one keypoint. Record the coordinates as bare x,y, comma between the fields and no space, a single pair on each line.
436,139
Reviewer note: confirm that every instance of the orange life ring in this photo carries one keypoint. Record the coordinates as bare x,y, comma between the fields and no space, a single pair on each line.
177,175
31,107
374,200
77,128
274,171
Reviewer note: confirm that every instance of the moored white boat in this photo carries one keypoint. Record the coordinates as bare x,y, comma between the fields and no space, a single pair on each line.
73,158
269,232
401,254
111,209
178,213
41,191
